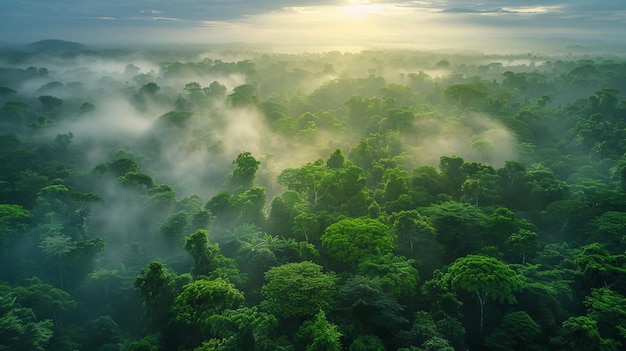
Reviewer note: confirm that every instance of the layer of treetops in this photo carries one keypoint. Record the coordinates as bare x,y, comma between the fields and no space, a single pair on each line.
204,199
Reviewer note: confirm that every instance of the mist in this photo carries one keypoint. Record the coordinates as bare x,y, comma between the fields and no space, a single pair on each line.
116,157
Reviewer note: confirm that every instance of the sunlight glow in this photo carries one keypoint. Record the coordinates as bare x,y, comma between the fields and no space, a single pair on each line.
360,9
534,10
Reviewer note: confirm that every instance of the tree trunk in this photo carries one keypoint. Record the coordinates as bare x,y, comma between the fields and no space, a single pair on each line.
482,301
61,277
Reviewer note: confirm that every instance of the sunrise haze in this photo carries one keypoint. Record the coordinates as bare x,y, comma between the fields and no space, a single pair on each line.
331,23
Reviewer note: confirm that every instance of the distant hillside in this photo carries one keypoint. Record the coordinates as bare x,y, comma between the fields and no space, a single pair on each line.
56,45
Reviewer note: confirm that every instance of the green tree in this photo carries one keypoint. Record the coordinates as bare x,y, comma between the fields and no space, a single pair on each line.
580,333
320,334
50,104
336,160
103,333
12,219
248,205
458,227
598,267
215,89
20,329
57,248
243,96
306,227
568,219
608,308
609,228
107,282
517,331
464,94
437,344
305,180
243,176
450,167
202,252
156,283
416,238
175,227
149,89
395,185
257,254
284,208
367,343
486,277
244,328
200,300
351,241
511,183
298,290
396,274
194,92
500,225
208,261
422,329
344,191
544,188
45,300
523,243
371,309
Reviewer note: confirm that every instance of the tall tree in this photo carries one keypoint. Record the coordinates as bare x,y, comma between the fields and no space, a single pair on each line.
242,178
351,241
57,249
12,219
486,277
288,291
320,335
198,302
20,329
517,331
523,243
396,274
156,284
202,252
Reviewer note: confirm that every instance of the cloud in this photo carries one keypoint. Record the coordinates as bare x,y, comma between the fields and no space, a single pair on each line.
335,21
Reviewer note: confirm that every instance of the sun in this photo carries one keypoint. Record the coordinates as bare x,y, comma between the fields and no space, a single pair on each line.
357,9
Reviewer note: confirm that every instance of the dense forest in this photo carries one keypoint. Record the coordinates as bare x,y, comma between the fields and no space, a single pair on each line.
209,198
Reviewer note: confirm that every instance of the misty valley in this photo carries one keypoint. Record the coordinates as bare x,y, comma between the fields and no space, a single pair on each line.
229,197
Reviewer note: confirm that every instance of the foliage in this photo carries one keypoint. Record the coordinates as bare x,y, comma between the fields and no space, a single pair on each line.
319,334
396,274
242,177
352,241
296,290
20,329
382,194
487,277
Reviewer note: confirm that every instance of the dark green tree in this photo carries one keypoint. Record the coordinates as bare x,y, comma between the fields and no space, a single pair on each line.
288,290
352,241
208,261
20,329
156,283
243,96
370,307
57,249
396,274
517,331
523,243
319,334
242,178
486,277
336,160
200,300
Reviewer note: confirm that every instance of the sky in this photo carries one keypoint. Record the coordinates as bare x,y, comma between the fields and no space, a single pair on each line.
315,22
